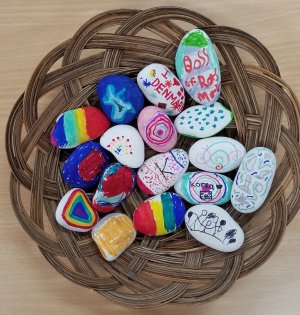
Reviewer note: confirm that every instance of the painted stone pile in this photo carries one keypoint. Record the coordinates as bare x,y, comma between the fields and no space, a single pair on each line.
109,145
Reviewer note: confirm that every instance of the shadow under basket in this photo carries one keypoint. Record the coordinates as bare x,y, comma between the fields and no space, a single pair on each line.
154,270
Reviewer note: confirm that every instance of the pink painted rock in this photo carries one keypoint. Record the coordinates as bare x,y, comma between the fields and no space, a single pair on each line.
157,129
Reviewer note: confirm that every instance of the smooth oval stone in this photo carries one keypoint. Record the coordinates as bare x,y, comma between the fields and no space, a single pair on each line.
204,187
116,184
77,126
159,215
253,180
198,67
203,121
160,172
113,234
75,212
120,98
214,227
85,165
126,144
217,154
157,129
161,87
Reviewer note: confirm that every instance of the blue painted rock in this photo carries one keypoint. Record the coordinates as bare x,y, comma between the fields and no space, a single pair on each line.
157,129
120,98
203,121
198,67
162,88
253,180
204,187
85,165
217,154
126,144
116,183
160,172
159,215
78,126
75,212
214,227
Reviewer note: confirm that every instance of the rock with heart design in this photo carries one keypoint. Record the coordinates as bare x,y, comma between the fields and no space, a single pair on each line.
113,234
126,144
203,121
120,98
157,129
253,180
85,165
159,215
116,184
162,88
217,154
204,187
75,212
160,172
198,67
77,126
214,227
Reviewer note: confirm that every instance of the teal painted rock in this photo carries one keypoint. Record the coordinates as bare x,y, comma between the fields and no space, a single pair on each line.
203,121
198,67
204,187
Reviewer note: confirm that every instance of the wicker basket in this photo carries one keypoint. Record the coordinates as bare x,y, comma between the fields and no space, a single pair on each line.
173,268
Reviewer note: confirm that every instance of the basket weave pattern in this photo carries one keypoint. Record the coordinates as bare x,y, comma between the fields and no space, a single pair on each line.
173,268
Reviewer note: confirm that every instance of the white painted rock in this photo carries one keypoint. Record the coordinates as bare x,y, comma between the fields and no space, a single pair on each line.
203,121
253,180
162,88
214,227
157,129
204,187
198,67
217,154
126,144
160,172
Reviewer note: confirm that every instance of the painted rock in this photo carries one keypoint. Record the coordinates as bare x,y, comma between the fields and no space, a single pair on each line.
75,212
116,183
160,172
120,98
162,88
198,67
159,215
157,129
203,121
204,187
85,165
126,144
217,154
113,234
214,227
77,126
253,180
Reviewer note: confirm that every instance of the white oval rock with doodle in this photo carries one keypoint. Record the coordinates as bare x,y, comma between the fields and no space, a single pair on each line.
253,180
214,227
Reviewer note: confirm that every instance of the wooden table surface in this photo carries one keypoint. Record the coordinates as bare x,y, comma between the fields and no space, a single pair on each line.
28,284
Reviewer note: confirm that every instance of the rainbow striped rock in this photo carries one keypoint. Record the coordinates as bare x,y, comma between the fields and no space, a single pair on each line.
159,215
74,212
77,126
113,234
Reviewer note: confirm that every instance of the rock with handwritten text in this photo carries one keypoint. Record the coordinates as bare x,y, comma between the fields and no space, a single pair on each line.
253,180
217,154
162,88
198,67
214,227
120,98
203,121
160,172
